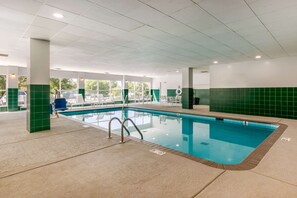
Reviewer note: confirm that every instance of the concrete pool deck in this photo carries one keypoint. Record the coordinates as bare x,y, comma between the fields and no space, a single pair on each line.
74,161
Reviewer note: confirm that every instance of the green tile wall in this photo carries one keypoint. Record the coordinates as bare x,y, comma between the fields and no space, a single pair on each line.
82,92
171,92
156,94
12,99
187,98
2,109
203,94
38,109
125,93
273,102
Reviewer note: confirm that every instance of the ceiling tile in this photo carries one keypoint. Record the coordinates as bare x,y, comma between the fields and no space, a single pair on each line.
75,6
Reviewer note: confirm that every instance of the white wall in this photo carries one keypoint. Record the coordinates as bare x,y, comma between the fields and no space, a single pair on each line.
201,80
167,82
280,72
172,81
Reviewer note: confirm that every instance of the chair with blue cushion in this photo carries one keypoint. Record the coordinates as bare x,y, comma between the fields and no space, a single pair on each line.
60,104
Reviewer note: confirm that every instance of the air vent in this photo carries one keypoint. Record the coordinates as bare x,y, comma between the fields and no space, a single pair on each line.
204,71
3,55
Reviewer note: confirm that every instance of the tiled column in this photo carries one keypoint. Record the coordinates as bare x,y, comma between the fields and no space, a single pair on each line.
125,90
81,84
187,88
12,89
38,98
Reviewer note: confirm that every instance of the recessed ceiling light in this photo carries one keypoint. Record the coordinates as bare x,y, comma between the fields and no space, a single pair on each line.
176,71
258,57
58,15
215,62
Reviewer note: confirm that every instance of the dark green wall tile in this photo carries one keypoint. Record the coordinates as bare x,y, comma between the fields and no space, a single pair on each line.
271,102
203,94
38,110
187,98
125,95
82,92
171,92
12,99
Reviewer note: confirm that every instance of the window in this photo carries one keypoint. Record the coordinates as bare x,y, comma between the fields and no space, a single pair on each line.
2,90
138,90
54,88
68,87
91,89
116,90
131,90
104,88
22,83
65,88
22,86
146,89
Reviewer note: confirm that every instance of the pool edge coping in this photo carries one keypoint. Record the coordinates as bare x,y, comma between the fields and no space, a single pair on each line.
250,162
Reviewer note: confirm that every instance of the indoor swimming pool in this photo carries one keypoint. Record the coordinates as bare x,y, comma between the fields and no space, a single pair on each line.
223,141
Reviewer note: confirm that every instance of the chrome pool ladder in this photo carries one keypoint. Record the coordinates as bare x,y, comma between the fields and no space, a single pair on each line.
109,126
123,127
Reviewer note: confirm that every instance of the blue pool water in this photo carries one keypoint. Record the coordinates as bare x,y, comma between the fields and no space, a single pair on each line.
221,141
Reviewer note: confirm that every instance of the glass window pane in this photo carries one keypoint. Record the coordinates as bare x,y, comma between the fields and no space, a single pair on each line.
116,90
138,90
104,87
69,84
54,88
131,90
91,87
146,88
68,88
22,85
3,90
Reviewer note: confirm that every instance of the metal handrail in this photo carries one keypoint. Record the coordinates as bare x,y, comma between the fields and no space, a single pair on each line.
109,126
123,126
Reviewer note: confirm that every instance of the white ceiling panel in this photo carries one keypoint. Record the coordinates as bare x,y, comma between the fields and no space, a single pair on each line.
26,6
169,6
120,6
197,18
47,12
226,10
106,16
74,6
267,6
96,26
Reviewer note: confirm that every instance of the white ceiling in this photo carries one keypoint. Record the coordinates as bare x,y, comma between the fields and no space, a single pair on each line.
148,37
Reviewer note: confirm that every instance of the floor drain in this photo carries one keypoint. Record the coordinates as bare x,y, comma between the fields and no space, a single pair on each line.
286,139
158,152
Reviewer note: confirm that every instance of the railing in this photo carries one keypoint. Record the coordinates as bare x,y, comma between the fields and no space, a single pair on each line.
123,126
109,126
